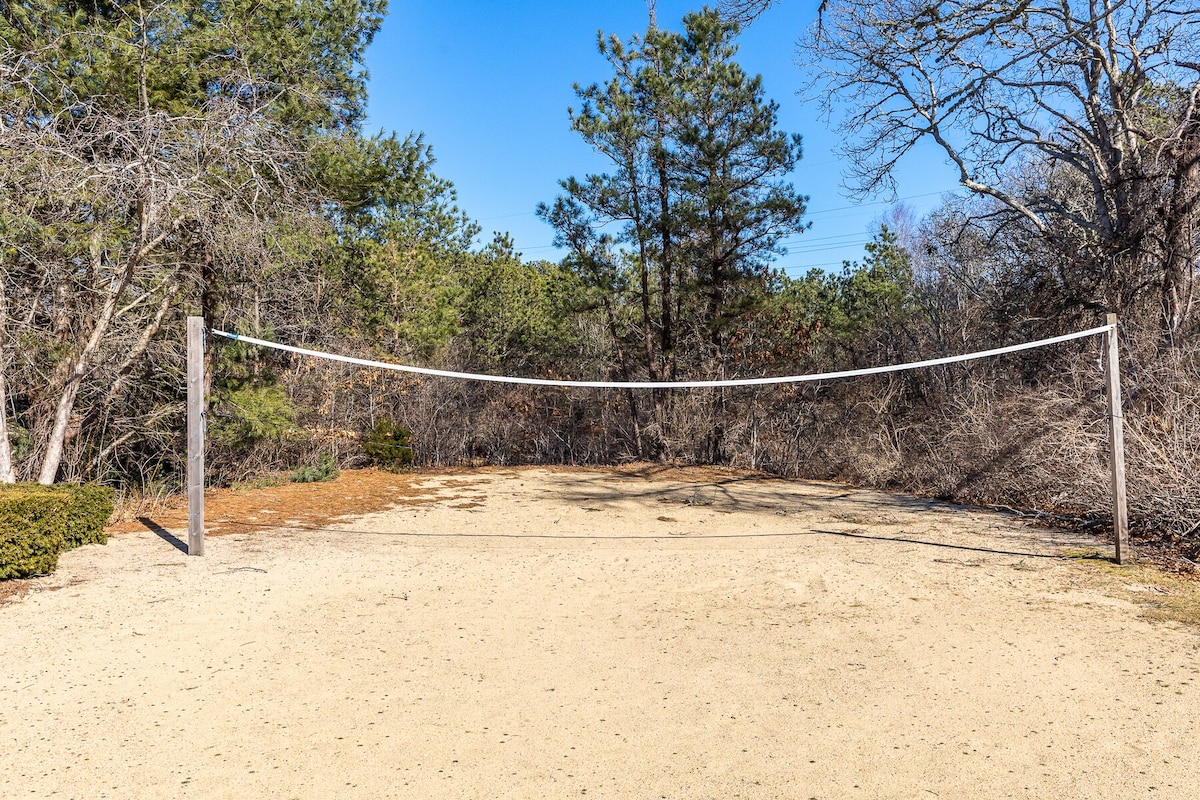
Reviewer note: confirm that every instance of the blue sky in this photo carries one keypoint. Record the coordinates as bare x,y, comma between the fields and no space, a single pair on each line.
489,84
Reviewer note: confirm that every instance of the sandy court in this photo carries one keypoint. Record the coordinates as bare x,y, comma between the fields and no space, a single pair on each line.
549,633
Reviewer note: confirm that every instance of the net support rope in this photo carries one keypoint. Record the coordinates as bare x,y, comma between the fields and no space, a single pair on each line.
766,381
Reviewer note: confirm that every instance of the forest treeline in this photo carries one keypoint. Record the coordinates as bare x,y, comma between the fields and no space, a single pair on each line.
159,160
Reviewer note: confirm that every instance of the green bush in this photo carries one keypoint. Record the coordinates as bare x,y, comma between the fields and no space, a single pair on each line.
249,414
33,526
326,470
39,522
389,444
88,511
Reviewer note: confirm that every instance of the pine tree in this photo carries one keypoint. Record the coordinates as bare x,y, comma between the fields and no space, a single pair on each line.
698,188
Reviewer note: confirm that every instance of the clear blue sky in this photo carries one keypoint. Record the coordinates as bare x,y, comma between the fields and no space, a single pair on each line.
489,84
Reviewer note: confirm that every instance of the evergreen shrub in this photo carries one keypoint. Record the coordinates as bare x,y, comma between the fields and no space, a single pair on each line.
389,444
39,522
326,470
33,526
88,510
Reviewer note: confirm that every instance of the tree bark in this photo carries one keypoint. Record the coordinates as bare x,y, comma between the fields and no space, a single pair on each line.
630,396
66,401
7,474
209,300
1179,261
666,287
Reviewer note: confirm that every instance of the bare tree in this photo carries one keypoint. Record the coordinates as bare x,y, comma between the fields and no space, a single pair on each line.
115,205
746,11
106,205
1097,99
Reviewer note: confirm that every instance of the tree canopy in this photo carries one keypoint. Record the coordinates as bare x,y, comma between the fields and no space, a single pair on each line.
145,147
1078,121
698,190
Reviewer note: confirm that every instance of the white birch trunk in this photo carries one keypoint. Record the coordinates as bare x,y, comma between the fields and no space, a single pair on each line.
66,401
7,474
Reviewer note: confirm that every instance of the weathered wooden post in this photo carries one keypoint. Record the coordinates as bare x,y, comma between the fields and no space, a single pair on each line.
1116,442
195,435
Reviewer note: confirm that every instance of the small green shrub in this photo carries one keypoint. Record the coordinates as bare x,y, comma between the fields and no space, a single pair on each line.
33,525
249,414
88,511
389,444
326,470
39,522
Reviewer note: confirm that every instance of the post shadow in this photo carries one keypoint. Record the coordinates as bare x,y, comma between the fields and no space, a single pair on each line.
164,534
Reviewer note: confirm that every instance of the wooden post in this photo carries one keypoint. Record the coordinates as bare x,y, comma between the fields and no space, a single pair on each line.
195,435
1116,442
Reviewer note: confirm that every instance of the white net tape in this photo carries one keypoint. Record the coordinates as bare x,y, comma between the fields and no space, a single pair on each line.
817,376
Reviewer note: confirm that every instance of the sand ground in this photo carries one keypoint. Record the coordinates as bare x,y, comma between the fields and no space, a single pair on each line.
610,634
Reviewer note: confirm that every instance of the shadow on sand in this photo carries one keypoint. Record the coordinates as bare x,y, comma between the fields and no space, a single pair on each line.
164,534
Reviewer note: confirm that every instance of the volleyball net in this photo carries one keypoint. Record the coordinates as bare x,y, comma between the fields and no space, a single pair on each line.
703,384
196,424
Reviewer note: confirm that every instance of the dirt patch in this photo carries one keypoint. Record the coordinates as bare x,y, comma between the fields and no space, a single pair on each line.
642,632
366,491
651,471
353,493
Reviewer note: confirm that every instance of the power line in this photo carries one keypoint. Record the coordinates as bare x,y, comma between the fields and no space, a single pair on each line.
859,210
880,202
871,204
819,265
793,251
823,238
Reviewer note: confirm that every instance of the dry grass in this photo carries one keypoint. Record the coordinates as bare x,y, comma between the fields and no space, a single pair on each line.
14,589
1162,596
247,509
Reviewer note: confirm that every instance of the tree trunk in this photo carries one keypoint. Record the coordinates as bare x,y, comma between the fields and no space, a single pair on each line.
7,475
647,321
208,310
630,396
122,372
66,401
666,291
1179,261
719,410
